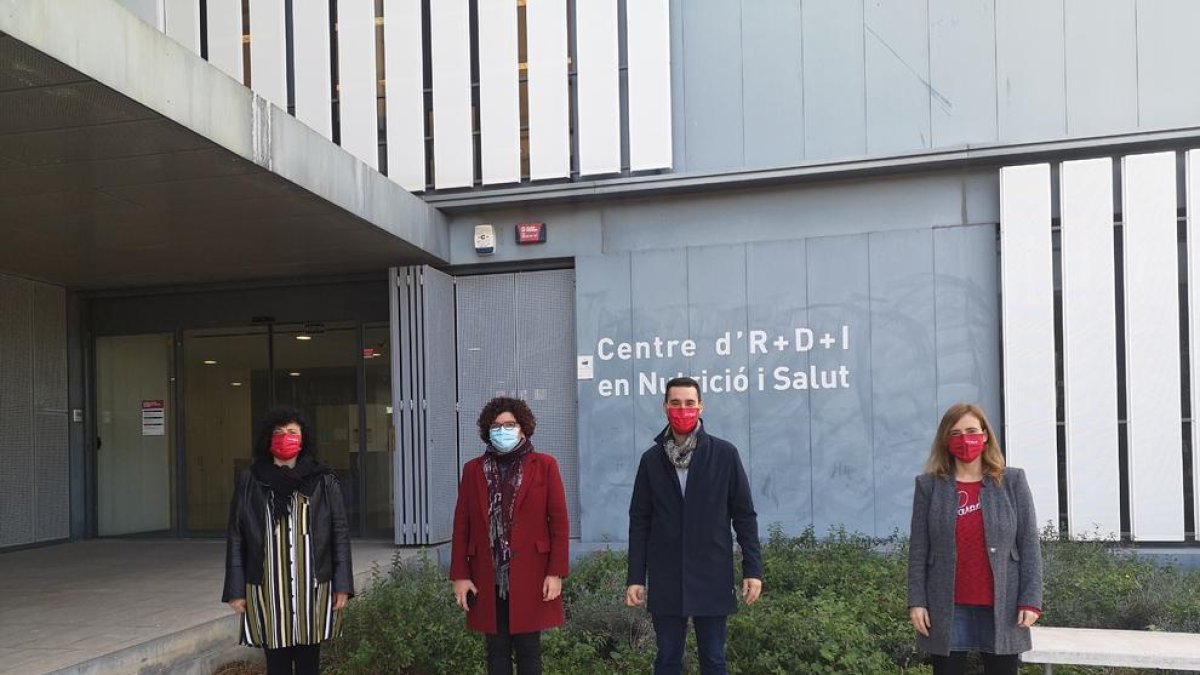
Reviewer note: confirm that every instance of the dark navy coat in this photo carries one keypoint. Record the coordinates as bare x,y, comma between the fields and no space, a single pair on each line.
683,540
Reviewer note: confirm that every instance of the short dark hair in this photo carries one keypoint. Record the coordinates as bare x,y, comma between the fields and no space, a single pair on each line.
277,417
681,382
500,405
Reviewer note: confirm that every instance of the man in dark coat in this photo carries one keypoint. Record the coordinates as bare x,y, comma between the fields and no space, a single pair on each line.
690,488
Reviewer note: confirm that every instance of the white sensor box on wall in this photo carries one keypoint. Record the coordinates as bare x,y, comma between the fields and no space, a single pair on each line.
485,239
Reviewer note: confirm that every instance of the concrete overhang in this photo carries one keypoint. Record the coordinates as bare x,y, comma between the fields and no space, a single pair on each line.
127,161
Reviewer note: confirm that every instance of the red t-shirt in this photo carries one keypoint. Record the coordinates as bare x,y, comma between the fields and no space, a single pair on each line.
973,584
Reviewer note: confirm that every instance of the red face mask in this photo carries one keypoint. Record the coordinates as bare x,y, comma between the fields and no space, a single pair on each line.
285,446
966,447
683,420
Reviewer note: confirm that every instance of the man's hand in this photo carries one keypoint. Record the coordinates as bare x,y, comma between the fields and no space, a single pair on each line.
751,589
461,586
635,595
340,600
238,605
919,616
551,588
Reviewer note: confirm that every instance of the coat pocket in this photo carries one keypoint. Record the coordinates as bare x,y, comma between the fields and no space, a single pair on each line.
542,546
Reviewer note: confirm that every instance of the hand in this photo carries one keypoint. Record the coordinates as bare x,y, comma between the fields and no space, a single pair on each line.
461,586
1026,618
635,595
551,588
919,616
751,589
238,605
340,600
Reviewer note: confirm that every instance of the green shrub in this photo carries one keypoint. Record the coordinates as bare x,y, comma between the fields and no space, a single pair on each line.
405,623
830,605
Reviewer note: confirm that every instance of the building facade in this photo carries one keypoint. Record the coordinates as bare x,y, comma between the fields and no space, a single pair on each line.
841,217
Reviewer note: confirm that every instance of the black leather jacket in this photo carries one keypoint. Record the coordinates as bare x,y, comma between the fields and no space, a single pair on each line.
245,547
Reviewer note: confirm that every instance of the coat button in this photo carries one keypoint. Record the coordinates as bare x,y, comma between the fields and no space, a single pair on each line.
992,550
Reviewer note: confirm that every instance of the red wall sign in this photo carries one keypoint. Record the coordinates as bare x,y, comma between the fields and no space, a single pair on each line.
531,233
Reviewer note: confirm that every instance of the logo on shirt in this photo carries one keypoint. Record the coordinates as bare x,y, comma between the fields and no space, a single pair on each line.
963,507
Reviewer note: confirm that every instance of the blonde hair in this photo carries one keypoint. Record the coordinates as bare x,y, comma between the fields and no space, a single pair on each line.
941,462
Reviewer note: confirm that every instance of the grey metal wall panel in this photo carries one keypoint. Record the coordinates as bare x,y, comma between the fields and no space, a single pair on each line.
712,84
487,342
516,337
834,79
678,106
659,279
968,317
768,214
1168,53
1030,70
441,419
52,477
838,295
49,347
903,369
772,81
779,456
609,448
546,360
1101,58
716,298
17,497
962,71
896,34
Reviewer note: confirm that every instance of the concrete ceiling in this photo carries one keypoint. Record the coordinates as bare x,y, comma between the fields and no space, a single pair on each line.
99,191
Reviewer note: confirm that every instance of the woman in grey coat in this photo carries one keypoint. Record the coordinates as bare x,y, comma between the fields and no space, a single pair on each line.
974,561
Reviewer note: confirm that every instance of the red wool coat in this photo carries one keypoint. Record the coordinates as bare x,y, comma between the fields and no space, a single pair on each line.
539,542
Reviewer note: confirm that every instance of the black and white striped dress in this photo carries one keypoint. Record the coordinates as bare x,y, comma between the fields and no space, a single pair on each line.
290,607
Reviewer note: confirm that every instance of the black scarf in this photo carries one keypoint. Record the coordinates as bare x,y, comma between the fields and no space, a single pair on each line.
284,481
503,472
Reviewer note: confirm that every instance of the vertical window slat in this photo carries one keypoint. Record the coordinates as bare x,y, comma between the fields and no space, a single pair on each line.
1027,309
1152,347
1090,348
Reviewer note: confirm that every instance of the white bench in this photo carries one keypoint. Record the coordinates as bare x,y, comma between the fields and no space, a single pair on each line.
1122,648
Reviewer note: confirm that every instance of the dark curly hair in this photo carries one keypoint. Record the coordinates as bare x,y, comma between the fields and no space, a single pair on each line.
277,417
503,404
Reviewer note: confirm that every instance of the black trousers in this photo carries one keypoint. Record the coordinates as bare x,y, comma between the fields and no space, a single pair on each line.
993,664
501,646
298,660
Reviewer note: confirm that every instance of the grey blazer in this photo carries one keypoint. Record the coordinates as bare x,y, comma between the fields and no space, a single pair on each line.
1011,534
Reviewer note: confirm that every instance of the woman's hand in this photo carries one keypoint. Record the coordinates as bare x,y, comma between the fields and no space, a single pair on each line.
551,588
919,616
461,588
340,600
1026,618
238,605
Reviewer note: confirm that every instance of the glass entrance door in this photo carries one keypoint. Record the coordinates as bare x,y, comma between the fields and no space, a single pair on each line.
226,388
135,433
336,374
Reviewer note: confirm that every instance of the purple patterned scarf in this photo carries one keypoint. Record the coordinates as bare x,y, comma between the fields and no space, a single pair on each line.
503,474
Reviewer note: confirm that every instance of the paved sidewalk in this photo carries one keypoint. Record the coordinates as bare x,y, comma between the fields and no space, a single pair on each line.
70,603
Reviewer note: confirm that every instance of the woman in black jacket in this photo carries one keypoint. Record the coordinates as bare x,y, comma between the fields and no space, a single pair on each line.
291,583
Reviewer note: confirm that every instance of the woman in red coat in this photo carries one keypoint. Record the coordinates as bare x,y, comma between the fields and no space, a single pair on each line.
509,552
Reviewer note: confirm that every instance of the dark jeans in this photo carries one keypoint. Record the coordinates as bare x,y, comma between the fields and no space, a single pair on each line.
993,664
501,645
670,632
304,658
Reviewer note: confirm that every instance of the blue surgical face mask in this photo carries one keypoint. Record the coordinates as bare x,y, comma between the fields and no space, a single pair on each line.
505,440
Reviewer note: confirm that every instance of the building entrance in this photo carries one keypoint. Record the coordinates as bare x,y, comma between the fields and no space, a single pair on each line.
337,374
